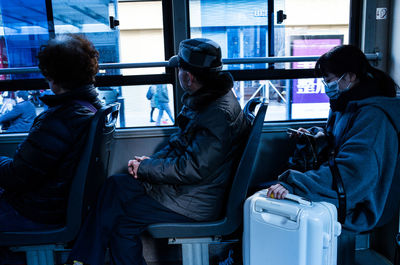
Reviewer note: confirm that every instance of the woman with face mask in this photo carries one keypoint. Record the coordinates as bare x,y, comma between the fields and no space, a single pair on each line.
363,126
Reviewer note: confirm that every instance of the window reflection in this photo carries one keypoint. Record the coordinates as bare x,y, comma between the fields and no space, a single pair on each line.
288,99
241,29
142,105
27,24
18,109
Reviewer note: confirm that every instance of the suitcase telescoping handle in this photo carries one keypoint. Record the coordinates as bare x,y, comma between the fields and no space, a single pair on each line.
295,198
298,199
276,207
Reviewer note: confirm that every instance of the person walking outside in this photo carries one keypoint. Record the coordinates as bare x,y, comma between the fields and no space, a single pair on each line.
163,103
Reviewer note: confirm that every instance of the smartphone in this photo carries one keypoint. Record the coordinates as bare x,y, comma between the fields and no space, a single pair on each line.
297,132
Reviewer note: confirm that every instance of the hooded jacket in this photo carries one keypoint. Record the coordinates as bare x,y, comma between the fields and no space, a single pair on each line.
42,168
192,173
366,144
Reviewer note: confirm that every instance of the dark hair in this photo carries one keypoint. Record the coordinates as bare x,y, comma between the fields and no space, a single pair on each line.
69,60
350,59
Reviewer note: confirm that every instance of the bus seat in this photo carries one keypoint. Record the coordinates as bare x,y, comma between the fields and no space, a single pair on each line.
375,247
39,246
195,237
378,245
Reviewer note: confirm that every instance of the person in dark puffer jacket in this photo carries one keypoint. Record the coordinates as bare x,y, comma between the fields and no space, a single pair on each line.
186,181
37,179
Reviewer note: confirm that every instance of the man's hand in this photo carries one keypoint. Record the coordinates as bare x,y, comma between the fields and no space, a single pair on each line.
277,191
133,166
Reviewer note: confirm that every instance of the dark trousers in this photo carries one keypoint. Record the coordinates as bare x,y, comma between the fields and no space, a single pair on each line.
123,212
11,220
151,114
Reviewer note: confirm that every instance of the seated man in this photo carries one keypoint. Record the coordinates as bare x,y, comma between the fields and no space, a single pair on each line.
20,118
36,180
184,182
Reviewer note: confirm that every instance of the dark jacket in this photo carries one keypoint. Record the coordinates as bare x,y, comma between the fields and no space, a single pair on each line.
44,164
191,175
20,118
366,146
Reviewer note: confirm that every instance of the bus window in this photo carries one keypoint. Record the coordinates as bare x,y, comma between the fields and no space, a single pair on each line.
142,105
288,99
141,35
28,24
18,109
241,28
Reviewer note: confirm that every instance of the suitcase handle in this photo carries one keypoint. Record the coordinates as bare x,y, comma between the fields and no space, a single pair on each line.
298,199
275,207
295,198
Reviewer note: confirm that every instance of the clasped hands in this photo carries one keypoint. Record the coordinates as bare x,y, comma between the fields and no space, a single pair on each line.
134,164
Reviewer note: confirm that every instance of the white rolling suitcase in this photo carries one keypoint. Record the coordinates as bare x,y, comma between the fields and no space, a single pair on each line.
293,231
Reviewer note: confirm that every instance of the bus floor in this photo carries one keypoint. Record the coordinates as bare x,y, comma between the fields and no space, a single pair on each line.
159,252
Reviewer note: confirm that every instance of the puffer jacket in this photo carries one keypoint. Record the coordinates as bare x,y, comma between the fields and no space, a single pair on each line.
192,173
45,162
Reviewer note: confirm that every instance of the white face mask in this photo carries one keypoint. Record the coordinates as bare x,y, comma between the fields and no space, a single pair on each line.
332,88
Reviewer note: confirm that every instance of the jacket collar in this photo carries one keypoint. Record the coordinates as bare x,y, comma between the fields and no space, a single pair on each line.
86,93
364,89
208,94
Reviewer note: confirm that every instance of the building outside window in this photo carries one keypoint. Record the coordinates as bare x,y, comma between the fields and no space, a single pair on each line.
311,28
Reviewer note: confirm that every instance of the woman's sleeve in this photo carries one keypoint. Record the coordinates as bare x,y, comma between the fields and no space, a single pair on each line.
365,155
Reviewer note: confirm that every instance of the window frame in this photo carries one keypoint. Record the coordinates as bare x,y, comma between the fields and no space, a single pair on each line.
176,27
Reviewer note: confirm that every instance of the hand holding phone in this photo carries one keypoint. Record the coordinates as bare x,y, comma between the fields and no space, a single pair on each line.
293,132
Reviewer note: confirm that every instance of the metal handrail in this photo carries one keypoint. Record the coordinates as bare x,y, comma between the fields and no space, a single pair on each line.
248,60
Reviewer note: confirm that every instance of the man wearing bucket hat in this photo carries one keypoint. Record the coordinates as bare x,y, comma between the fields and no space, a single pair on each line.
186,181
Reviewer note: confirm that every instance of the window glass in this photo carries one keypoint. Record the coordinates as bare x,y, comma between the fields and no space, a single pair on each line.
241,28
91,18
27,24
141,35
18,109
142,105
23,28
288,99
308,30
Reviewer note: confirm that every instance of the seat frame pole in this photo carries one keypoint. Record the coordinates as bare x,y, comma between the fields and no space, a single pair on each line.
194,250
37,255
195,254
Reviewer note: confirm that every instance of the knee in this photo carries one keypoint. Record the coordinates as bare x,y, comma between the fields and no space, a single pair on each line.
116,181
122,182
